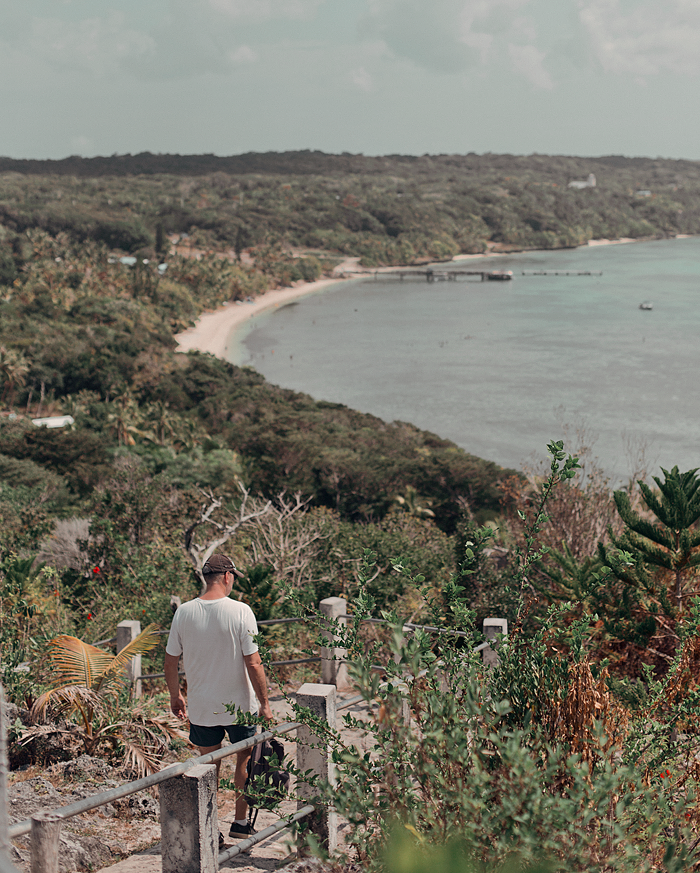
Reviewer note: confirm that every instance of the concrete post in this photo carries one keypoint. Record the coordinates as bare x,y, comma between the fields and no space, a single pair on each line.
493,627
334,670
314,753
45,834
126,632
189,824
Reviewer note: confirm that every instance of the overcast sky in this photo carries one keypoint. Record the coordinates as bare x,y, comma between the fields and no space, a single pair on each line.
584,77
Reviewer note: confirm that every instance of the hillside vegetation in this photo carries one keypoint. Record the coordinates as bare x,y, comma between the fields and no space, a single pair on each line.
388,210
582,746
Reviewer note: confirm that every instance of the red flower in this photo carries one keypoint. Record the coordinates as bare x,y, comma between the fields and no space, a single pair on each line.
95,569
668,772
143,612
89,615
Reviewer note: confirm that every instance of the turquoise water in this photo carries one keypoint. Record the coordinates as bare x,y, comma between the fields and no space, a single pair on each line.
500,368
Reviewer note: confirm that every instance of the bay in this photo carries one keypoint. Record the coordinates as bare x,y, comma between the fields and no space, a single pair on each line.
501,368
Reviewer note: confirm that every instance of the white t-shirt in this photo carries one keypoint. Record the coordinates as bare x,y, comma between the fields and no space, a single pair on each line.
213,636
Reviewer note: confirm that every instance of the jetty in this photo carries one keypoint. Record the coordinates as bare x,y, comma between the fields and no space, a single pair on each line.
560,273
432,275
435,275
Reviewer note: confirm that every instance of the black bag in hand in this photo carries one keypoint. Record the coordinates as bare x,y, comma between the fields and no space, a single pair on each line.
267,782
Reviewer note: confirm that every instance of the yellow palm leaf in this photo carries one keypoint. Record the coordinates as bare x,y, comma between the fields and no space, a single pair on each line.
76,662
148,639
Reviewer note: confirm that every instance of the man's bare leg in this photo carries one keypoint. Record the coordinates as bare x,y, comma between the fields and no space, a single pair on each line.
204,750
239,776
239,781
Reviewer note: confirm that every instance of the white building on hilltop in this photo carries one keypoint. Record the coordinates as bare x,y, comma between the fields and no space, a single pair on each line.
589,183
54,421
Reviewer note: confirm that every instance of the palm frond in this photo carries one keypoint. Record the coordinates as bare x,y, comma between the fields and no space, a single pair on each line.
168,726
148,639
33,732
143,761
76,662
68,698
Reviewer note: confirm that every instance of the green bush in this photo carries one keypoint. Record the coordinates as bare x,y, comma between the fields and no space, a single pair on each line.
530,759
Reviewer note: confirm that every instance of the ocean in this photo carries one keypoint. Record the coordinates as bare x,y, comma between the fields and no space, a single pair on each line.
501,368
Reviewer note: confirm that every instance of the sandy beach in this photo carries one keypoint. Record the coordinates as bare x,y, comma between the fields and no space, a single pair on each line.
213,332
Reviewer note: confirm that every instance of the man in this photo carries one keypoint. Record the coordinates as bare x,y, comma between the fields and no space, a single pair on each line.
216,638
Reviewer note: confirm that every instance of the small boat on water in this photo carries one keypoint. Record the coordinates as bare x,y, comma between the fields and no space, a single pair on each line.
499,275
646,305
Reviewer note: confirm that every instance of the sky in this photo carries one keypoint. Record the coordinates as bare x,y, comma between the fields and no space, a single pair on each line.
577,77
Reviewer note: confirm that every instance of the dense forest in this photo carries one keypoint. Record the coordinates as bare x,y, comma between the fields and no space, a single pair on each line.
107,517
390,210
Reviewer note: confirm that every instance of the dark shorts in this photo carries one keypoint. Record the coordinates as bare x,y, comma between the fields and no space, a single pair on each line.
211,735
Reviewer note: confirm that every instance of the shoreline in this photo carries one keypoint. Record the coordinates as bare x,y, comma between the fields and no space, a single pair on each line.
214,330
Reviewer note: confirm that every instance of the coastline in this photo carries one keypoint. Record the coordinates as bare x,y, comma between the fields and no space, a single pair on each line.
214,330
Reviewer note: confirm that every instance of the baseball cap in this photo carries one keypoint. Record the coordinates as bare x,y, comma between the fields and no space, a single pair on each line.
218,564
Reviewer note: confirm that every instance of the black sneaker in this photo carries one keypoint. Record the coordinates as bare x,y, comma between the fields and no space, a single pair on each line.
239,832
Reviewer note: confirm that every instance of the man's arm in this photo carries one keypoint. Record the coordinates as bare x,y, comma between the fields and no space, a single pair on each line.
256,671
177,701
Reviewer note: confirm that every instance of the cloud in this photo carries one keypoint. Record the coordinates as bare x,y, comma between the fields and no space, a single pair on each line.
425,33
192,37
444,35
265,10
647,39
244,54
361,79
527,61
94,45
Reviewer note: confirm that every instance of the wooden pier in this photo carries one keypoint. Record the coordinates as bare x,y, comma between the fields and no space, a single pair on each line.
430,275
560,273
435,275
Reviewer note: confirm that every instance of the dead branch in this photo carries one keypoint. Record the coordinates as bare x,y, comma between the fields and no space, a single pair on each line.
287,539
200,552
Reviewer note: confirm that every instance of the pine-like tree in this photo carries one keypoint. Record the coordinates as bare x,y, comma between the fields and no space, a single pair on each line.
670,543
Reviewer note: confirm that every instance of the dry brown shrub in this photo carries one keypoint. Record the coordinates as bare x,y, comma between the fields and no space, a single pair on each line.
589,704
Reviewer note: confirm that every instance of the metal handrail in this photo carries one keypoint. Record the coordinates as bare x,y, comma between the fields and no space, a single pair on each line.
110,640
267,621
281,825
409,624
294,661
96,800
271,621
